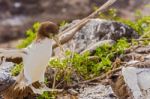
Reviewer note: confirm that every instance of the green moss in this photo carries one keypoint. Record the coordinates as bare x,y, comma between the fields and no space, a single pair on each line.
47,95
30,36
141,24
84,66
16,69
63,23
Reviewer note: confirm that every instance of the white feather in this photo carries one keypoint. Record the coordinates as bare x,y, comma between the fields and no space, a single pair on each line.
36,60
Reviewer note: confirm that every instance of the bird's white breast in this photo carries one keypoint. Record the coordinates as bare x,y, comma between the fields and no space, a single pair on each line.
36,60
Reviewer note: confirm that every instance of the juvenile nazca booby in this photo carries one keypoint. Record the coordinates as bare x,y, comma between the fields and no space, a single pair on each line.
35,56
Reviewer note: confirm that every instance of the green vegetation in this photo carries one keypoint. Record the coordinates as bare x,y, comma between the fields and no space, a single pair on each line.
30,36
16,70
47,95
63,23
141,24
82,65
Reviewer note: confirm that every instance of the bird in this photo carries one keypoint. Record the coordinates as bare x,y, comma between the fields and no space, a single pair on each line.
35,57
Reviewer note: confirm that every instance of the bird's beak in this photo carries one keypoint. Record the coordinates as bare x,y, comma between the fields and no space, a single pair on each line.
56,39
51,36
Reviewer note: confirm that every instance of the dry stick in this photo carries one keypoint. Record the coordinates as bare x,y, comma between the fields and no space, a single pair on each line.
54,80
68,34
144,35
142,39
59,45
97,78
103,76
93,15
134,47
60,83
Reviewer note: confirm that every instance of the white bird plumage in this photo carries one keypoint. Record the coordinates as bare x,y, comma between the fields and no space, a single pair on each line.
36,60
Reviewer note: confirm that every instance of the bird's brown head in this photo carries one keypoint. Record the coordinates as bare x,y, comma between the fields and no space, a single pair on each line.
47,29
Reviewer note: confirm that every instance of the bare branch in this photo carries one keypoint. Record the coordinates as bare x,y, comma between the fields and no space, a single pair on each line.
93,15
68,34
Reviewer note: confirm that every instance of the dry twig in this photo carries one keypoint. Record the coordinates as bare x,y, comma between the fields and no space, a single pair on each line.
68,34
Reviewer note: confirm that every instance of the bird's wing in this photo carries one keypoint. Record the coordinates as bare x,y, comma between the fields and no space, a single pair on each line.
12,55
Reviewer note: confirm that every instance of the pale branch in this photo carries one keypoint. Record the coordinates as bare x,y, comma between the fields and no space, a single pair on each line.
93,15
140,39
99,78
68,34
93,58
104,76
145,64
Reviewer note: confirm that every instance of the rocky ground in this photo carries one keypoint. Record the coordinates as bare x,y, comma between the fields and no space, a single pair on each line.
99,31
98,91
15,21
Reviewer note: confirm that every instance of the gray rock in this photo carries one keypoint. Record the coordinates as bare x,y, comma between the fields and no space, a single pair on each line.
6,79
98,30
97,92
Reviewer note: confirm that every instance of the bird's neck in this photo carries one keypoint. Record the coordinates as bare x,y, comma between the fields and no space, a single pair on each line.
39,37
42,41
